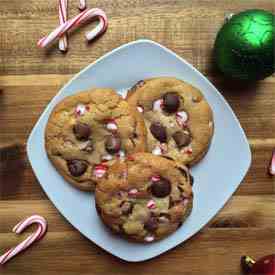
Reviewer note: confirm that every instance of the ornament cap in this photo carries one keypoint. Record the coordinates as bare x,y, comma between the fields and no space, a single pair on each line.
247,263
228,16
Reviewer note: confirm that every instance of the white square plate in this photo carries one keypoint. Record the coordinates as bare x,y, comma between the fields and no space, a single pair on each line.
216,177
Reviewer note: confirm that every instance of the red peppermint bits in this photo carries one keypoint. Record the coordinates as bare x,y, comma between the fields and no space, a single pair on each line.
181,118
133,192
111,125
100,170
151,204
80,110
155,178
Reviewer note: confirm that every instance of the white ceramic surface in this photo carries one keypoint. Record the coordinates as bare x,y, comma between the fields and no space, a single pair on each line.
216,177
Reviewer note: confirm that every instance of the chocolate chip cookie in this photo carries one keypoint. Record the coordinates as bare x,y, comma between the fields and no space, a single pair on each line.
86,132
178,119
145,197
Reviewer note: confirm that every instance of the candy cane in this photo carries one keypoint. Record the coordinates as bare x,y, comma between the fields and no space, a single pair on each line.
272,164
82,5
62,11
42,227
78,20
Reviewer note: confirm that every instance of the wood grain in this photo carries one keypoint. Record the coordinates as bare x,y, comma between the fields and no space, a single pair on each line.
215,250
187,27
29,79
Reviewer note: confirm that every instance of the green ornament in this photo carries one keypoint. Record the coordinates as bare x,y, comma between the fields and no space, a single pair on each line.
245,45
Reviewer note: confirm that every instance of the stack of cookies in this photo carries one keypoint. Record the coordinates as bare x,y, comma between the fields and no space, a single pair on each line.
133,153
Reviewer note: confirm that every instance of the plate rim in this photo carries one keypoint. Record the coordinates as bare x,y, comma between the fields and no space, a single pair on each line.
204,78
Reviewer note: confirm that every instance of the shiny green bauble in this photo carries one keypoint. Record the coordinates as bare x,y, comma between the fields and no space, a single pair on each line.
245,45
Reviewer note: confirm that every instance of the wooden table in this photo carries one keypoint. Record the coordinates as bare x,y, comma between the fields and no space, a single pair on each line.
30,77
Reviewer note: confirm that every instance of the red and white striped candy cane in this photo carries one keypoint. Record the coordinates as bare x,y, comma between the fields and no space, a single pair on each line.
41,230
82,5
78,20
63,14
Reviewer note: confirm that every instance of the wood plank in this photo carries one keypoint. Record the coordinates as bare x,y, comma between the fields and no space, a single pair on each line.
30,77
253,105
181,25
244,226
256,211
257,180
213,252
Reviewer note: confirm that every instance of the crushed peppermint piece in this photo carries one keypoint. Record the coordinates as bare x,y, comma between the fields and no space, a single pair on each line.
140,109
157,105
151,204
187,150
133,192
100,170
157,151
107,157
163,148
155,178
149,238
181,118
80,109
121,154
111,125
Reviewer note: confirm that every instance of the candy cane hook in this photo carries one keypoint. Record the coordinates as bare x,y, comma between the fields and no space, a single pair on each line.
20,227
78,20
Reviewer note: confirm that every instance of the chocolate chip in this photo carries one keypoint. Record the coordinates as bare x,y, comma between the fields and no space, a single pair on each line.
158,131
77,167
112,144
161,188
151,225
182,139
82,131
171,102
